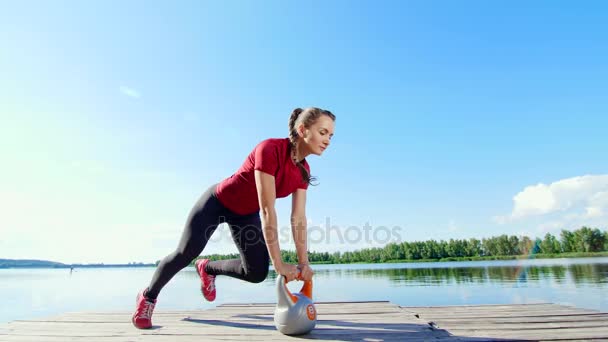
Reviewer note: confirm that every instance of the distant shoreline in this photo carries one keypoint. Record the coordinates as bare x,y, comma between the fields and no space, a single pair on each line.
12,264
80,266
27,263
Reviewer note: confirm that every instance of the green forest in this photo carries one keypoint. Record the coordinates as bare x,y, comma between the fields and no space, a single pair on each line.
582,242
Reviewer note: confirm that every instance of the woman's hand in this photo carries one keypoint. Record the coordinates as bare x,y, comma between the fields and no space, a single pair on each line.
306,272
288,270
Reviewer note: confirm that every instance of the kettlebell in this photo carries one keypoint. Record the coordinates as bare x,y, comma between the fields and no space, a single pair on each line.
295,314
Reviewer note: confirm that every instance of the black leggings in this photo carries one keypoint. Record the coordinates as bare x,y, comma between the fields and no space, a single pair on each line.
207,214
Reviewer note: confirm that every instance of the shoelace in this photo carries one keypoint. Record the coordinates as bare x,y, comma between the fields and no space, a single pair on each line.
147,309
210,283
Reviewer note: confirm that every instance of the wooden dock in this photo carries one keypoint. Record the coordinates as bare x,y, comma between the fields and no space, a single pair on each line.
337,321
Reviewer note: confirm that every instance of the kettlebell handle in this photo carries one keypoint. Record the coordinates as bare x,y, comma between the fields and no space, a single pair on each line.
298,275
306,288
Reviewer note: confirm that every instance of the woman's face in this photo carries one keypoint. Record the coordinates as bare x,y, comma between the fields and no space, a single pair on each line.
317,137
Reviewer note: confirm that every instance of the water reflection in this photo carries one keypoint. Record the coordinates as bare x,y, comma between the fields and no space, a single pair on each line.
520,274
31,293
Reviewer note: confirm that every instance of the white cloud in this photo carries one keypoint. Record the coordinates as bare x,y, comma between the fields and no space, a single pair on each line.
130,92
534,200
589,192
598,204
566,203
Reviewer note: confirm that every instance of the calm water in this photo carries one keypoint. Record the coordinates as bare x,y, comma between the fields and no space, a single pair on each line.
34,293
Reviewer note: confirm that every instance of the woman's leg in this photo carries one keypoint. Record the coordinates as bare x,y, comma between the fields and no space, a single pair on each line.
202,221
249,239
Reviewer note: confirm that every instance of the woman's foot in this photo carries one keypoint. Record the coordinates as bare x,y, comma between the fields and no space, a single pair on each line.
207,280
144,307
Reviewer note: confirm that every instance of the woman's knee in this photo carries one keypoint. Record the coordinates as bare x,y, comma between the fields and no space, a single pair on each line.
258,272
258,275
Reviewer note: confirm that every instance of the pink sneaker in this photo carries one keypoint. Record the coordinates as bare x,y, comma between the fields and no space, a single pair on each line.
207,280
142,318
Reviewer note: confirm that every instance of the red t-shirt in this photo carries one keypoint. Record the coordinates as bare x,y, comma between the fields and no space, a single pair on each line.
273,156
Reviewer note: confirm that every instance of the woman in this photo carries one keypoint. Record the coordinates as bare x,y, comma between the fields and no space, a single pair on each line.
275,168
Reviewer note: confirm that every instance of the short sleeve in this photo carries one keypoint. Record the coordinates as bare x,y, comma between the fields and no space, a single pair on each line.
303,184
266,158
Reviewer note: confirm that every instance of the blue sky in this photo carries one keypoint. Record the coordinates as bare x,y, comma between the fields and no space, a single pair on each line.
454,119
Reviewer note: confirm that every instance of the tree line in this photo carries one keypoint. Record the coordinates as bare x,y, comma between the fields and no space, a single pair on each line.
583,240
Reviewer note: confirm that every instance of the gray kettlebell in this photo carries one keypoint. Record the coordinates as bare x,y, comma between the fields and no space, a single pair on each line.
295,314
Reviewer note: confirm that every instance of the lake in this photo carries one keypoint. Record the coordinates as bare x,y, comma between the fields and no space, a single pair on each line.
581,282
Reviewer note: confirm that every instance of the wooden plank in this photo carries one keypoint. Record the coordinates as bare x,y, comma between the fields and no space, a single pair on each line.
379,322
16,338
324,302
562,334
335,311
263,308
204,332
338,321
520,326
512,309
536,322
486,306
505,311
102,317
518,320
320,306
481,306
205,325
495,316
258,320
117,319
501,312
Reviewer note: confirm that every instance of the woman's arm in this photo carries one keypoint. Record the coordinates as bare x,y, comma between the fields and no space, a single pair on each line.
298,229
298,224
266,196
